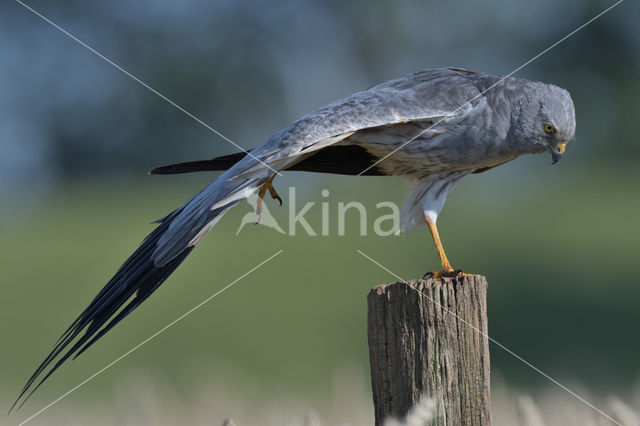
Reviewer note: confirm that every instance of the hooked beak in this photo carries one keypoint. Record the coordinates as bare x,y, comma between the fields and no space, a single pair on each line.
557,152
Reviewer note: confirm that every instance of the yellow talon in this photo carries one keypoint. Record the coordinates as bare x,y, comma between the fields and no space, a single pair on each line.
261,193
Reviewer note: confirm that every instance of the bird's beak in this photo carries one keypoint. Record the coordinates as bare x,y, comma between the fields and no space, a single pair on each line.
557,152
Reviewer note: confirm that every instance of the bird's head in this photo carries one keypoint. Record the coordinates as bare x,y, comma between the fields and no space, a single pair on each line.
555,124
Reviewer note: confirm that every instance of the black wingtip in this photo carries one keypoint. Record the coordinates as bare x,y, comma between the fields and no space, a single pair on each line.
158,171
134,282
214,164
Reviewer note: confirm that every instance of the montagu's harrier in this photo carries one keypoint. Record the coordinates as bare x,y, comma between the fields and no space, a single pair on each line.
465,122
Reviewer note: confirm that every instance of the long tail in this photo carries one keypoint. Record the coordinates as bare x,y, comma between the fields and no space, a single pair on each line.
134,282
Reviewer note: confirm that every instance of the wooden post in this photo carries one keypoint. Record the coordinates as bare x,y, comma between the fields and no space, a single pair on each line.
424,340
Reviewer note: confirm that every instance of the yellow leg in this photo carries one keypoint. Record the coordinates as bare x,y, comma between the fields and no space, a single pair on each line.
447,270
261,193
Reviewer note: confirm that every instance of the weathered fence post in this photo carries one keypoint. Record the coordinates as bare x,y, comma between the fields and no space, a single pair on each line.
429,337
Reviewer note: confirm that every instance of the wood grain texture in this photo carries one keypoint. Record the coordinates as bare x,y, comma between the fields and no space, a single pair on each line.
430,337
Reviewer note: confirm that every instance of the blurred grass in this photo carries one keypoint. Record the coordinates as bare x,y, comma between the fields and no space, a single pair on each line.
559,247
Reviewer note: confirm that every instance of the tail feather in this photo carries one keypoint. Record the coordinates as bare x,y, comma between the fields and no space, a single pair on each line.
134,282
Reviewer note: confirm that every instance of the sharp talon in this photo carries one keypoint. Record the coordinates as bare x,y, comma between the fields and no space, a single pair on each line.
272,192
448,273
261,193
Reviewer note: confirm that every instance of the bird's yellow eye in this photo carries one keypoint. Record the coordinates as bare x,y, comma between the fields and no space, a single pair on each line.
549,128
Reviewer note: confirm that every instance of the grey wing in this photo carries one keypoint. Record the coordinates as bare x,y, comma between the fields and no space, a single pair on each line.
431,95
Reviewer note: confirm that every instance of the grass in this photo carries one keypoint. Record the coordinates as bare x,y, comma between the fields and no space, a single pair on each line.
140,399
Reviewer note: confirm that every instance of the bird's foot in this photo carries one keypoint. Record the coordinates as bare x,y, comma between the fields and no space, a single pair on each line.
449,273
272,192
261,193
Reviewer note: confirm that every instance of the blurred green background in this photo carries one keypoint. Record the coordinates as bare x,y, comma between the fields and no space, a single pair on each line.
559,245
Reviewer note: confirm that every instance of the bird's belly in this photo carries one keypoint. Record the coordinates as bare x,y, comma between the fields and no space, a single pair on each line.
417,158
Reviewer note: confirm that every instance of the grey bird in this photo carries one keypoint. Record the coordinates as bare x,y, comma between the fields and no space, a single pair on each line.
432,127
